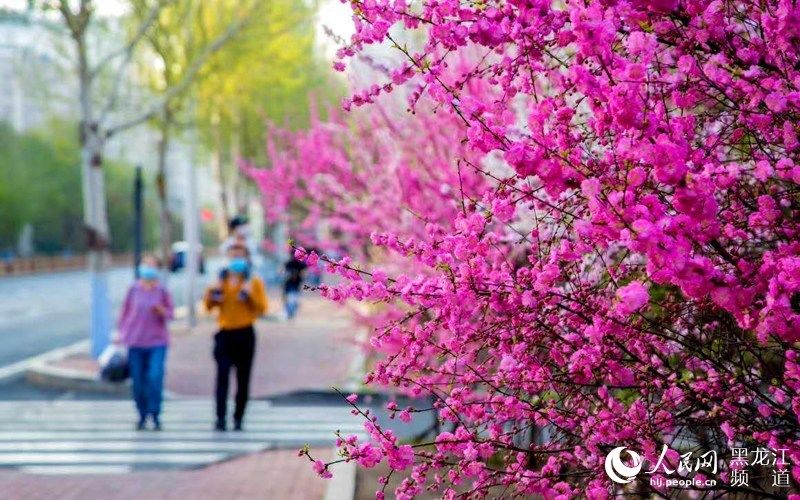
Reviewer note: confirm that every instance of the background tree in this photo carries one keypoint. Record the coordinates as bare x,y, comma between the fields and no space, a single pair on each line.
271,73
100,120
40,188
175,46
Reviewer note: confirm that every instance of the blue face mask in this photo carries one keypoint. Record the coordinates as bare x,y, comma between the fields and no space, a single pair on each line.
148,272
238,265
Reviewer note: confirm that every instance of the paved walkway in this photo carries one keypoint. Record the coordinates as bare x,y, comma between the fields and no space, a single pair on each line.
313,352
268,475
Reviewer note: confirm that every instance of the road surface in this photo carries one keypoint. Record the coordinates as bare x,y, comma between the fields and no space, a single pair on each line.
46,311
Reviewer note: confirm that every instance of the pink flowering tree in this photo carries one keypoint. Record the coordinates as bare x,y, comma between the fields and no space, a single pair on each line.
623,265
365,172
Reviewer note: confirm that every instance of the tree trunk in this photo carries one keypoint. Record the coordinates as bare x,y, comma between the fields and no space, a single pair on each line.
219,169
95,216
164,216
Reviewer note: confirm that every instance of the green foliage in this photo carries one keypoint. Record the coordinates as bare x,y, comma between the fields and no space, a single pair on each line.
270,72
42,186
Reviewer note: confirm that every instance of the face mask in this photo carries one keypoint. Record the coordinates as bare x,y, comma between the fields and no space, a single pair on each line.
148,272
238,265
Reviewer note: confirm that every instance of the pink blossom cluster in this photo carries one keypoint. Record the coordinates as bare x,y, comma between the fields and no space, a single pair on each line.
586,236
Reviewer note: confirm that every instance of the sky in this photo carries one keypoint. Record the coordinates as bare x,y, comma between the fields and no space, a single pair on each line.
336,16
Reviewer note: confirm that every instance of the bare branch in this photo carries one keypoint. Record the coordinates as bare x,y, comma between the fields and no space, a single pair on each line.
128,48
187,78
128,51
69,17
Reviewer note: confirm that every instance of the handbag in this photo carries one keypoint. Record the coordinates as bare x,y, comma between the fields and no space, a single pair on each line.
114,364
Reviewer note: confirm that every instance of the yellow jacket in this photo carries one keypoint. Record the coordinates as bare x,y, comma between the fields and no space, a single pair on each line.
233,312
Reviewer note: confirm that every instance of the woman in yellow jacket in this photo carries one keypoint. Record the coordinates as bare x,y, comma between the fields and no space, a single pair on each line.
239,299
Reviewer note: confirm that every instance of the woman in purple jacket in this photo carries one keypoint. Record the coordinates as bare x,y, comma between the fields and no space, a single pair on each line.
143,328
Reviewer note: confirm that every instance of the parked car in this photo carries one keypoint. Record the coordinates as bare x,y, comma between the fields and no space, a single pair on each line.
177,260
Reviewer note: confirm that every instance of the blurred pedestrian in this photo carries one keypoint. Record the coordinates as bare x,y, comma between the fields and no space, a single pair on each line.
239,299
239,234
291,286
143,329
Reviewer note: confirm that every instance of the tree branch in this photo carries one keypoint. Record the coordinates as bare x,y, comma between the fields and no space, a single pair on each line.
186,80
127,49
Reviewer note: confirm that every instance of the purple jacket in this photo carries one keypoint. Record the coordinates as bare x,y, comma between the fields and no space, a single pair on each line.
139,324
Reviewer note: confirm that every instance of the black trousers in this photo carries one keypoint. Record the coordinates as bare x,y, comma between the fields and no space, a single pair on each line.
234,349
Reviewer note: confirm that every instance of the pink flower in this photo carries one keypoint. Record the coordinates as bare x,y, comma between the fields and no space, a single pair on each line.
321,469
776,102
728,431
632,297
548,156
401,458
368,455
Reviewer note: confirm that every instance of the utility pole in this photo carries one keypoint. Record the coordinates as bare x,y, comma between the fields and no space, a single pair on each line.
191,230
137,220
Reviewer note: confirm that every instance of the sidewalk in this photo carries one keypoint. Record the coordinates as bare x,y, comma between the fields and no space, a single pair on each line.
313,352
272,474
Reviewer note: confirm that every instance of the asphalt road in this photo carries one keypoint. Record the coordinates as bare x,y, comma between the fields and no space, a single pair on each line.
46,311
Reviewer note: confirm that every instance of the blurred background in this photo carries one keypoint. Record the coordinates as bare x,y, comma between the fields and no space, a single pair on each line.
122,123
197,90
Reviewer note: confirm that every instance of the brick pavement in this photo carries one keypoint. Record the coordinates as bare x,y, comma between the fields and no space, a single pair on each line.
268,475
314,351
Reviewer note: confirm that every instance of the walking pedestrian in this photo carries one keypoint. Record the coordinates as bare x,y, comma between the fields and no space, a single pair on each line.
143,329
239,299
291,286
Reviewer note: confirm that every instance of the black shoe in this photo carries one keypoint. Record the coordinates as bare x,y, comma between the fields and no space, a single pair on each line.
156,423
237,426
220,426
140,425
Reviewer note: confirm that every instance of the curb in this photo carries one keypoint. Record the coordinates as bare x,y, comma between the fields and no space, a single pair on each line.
21,367
342,485
357,367
358,364
38,371
53,377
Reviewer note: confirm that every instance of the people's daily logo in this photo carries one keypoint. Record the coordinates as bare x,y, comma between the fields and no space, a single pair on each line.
617,470
698,468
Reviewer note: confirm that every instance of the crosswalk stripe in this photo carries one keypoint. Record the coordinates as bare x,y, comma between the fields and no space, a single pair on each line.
76,469
173,425
76,437
311,435
169,415
132,446
108,458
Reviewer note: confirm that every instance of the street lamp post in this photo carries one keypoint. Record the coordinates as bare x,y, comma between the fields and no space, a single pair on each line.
191,234
138,191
